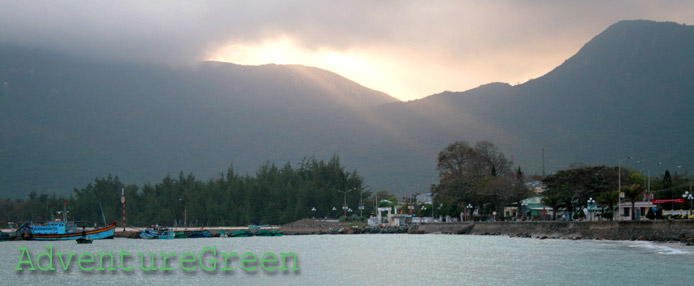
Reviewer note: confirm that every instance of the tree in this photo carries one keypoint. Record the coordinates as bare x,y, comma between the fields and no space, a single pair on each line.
608,198
667,180
520,191
553,201
576,186
633,193
650,215
479,175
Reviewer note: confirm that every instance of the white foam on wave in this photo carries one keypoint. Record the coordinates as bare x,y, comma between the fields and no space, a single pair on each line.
661,248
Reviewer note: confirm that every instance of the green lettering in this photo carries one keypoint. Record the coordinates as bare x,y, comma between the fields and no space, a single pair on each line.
251,260
226,258
142,262
284,260
22,261
214,262
81,260
184,260
69,257
101,261
272,261
48,254
122,260
165,257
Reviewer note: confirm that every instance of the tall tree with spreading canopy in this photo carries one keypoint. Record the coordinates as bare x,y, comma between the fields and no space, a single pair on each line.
479,175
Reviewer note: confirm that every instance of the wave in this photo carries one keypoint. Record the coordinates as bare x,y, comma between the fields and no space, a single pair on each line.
661,248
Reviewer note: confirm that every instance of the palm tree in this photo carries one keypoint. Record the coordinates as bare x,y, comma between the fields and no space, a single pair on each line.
608,198
633,193
553,201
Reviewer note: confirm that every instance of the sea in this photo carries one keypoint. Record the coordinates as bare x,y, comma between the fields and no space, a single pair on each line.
367,259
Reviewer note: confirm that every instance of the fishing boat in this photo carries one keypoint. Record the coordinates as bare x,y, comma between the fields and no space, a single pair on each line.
158,233
84,241
64,230
149,234
180,234
241,233
198,234
263,232
6,236
166,233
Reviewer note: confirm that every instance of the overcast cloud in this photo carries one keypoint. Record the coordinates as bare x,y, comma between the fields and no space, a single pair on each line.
414,48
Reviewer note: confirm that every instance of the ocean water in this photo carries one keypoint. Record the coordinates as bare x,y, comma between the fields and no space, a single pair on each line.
388,259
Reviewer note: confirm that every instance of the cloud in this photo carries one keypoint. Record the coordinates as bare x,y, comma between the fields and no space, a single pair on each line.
442,45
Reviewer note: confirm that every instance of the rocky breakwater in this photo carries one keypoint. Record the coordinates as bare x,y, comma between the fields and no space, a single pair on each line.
663,230
310,226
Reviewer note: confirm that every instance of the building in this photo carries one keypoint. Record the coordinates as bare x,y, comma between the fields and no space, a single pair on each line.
531,208
642,208
423,198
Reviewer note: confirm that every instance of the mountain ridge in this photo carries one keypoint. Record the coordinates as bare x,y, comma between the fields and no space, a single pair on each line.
65,122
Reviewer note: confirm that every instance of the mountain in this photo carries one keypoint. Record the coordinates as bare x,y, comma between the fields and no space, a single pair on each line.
65,120
628,92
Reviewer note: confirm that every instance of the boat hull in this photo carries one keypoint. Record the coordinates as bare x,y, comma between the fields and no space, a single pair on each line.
99,233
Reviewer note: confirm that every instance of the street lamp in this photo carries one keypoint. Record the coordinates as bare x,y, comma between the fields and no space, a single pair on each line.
344,203
524,205
469,206
313,209
619,185
689,196
589,203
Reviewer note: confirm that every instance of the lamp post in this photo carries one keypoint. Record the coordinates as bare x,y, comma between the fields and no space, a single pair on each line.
619,185
313,210
361,202
469,206
344,202
589,203
524,205
689,196
334,209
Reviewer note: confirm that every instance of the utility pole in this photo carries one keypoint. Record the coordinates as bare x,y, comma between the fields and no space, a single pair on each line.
361,202
619,185
122,200
543,162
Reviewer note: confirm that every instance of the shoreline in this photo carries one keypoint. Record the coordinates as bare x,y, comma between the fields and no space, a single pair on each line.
658,231
662,231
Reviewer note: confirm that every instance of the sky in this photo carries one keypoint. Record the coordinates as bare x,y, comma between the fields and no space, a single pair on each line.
408,49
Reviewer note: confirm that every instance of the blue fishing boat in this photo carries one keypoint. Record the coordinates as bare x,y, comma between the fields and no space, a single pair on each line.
159,233
149,234
166,234
64,230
